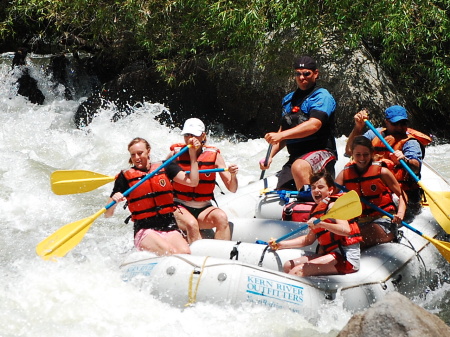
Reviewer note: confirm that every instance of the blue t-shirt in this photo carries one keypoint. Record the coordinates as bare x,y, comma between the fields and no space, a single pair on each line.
314,103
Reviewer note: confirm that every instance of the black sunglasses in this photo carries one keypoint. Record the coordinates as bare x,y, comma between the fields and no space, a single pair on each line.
402,122
305,73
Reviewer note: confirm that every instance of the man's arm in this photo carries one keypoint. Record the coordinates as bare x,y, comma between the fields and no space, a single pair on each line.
303,130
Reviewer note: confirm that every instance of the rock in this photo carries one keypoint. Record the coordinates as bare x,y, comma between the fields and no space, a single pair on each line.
27,85
58,69
395,315
248,101
19,57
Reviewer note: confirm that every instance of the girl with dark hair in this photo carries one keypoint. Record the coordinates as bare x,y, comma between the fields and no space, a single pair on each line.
375,183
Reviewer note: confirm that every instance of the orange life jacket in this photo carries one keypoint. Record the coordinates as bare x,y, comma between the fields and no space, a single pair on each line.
329,241
154,196
397,143
204,191
370,186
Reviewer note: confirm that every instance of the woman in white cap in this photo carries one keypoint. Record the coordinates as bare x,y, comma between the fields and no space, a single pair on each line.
195,209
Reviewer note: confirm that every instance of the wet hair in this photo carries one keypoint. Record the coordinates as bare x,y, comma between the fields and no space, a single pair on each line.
315,177
136,141
363,141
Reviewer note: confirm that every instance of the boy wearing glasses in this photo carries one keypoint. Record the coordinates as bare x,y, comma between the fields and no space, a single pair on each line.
307,129
408,144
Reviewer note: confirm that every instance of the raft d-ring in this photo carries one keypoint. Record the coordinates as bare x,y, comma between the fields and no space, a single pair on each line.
192,295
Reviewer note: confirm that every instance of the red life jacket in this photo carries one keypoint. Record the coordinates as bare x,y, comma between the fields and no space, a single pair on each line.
204,191
397,143
297,211
369,186
329,241
153,197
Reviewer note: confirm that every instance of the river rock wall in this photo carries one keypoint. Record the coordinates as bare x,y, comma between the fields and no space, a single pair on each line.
249,101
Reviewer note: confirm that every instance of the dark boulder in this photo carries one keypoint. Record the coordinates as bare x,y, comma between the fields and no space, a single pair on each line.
27,85
395,315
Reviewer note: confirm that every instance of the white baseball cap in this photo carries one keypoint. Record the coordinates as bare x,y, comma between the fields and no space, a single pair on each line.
193,126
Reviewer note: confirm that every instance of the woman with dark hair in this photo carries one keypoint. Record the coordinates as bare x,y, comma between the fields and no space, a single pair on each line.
375,183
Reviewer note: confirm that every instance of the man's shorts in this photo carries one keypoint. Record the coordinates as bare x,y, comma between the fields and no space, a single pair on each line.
319,160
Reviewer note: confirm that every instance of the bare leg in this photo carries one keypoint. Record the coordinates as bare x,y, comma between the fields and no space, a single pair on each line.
323,265
301,171
291,264
166,244
214,217
188,223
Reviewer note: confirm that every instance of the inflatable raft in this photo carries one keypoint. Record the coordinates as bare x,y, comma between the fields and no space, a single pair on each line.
241,271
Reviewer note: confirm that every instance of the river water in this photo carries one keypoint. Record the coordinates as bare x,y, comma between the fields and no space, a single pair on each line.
82,294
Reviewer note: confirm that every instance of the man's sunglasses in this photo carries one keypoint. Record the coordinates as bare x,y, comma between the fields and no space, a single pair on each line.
305,73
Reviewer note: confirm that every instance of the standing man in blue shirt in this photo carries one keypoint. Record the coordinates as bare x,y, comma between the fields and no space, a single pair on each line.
307,129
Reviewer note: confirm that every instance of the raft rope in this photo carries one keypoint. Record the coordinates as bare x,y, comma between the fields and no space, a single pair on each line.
192,295
262,256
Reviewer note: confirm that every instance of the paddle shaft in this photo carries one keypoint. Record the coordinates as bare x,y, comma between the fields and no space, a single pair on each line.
436,201
266,160
348,200
298,230
68,236
151,174
373,206
442,246
389,147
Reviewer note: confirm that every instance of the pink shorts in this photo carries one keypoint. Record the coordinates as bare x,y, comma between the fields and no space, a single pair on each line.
143,233
342,266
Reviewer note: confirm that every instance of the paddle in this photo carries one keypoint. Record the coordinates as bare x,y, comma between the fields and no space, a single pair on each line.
442,246
265,164
81,181
346,207
67,237
439,202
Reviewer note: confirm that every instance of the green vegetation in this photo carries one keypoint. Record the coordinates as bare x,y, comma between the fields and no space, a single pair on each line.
409,38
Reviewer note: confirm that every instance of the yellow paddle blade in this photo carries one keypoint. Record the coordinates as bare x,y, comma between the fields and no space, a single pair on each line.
442,246
77,181
66,238
439,203
346,207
